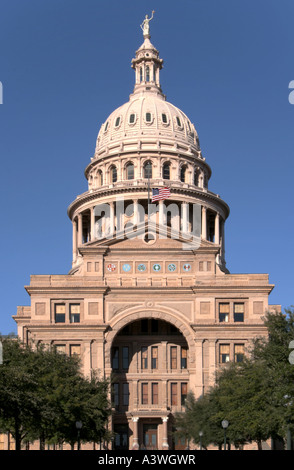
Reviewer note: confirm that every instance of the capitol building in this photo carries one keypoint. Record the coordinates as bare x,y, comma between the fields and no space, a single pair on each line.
149,299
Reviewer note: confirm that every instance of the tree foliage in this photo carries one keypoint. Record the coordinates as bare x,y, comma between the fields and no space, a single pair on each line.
255,395
43,394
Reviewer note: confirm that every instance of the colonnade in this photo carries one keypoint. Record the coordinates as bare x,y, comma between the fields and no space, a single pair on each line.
111,218
194,175
136,443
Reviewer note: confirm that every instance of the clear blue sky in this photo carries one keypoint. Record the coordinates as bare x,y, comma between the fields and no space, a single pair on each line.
65,66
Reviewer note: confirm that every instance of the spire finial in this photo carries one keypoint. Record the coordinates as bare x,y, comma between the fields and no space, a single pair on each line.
145,25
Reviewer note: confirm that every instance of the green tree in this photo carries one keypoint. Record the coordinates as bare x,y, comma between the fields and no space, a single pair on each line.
252,395
43,394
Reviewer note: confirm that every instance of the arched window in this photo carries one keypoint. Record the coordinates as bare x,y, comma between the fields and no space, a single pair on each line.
100,178
113,174
196,177
147,74
141,74
183,174
147,169
166,171
130,171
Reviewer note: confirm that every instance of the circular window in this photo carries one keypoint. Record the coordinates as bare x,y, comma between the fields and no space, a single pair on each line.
149,238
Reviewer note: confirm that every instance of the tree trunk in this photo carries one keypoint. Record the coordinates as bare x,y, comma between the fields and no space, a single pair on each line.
259,445
17,434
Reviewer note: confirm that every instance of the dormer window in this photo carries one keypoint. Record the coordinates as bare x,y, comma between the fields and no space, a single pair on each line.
132,118
117,121
148,117
178,121
106,126
164,118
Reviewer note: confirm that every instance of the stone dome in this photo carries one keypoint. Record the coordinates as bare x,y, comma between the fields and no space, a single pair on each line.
147,115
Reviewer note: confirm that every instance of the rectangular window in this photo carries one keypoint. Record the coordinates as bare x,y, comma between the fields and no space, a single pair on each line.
144,357
144,393
154,389
125,394
184,353
239,352
115,358
125,357
173,357
238,312
174,394
59,313
184,391
75,349
74,313
115,394
60,348
224,353
224,311
154,357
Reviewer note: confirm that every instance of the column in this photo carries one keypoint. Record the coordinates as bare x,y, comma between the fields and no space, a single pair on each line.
135,446
136,213
74,240
212,361
109,228
162,220
92,224
185,217
165,445
216,229
204,223
223,240
199,367
80,229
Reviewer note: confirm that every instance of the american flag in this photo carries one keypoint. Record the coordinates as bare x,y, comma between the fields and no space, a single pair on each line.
160,193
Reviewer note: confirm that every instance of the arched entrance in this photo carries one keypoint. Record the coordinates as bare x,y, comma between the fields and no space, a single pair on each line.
150,360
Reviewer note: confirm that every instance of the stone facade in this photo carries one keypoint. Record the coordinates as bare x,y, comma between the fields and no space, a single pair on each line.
141,302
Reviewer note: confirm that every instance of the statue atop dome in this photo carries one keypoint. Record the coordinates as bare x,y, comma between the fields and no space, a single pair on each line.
145,25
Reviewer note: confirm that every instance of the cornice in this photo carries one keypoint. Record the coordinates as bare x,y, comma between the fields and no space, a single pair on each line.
142,187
